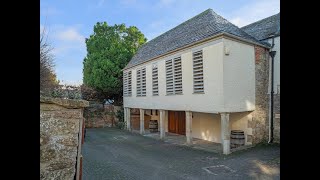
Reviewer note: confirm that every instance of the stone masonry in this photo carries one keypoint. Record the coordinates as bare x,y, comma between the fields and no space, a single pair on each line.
97,116
260,117
276,120
60,121
259,120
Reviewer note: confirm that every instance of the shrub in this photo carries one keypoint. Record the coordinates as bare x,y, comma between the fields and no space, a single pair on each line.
120,125
120,114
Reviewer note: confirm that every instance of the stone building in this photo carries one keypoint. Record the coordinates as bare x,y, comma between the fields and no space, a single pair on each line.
201,80
268,30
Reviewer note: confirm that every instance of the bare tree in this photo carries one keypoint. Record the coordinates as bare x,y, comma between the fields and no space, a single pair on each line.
47,74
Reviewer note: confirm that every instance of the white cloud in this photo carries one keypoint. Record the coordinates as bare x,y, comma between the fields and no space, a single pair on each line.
66,40
238,21
166,3
241,16
70,34
62,49
254,12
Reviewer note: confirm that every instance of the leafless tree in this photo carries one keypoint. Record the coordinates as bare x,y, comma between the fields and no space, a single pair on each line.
47,75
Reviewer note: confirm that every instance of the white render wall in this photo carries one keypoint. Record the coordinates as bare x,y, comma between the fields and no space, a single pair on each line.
239,77
206,126
210,101
239,121
228,81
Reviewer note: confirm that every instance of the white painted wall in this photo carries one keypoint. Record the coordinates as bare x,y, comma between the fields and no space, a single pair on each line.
239,121
211,101
239,77
229,81
276,82
206,126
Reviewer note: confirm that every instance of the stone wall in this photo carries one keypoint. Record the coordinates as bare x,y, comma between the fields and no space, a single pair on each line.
260,114
276,120
60,129
260,117
97,116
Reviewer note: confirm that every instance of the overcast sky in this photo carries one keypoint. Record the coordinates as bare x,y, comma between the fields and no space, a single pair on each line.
69,22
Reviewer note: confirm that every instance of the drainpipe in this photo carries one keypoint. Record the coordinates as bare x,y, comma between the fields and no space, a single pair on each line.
272,54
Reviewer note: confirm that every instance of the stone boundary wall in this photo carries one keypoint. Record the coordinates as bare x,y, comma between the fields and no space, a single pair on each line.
97,116
60,137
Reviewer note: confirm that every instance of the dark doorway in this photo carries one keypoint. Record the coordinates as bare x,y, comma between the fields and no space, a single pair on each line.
177,122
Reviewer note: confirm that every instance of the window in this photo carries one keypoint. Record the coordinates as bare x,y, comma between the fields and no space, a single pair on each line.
127,84
198,85
155,88
141,81
174,76
169,77
177,75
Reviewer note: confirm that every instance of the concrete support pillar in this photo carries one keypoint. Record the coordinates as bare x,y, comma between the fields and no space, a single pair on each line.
141,121
166,121
225,133
189,127
125,116
162,124
128,119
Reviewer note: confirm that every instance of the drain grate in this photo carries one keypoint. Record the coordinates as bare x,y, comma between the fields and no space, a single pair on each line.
218,169
120,138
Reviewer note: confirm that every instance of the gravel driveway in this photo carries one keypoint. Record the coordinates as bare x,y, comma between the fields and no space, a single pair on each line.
110,153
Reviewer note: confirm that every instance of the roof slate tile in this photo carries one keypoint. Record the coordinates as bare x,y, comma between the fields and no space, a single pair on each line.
200,27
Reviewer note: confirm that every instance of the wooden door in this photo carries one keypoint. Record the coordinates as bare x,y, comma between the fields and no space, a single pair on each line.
177,122
171,122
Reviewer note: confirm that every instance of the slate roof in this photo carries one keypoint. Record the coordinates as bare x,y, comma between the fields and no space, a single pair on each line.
264,28
200,27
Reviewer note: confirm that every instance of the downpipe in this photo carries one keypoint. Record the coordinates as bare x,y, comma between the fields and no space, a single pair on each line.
272,54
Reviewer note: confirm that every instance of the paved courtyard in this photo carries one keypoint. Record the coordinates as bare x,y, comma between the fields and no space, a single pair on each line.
117,154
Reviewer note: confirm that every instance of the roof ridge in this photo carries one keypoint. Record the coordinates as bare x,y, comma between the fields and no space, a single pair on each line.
199,27
260,20
208,10
215,14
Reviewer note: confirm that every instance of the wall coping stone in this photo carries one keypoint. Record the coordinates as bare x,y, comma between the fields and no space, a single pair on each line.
67,103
